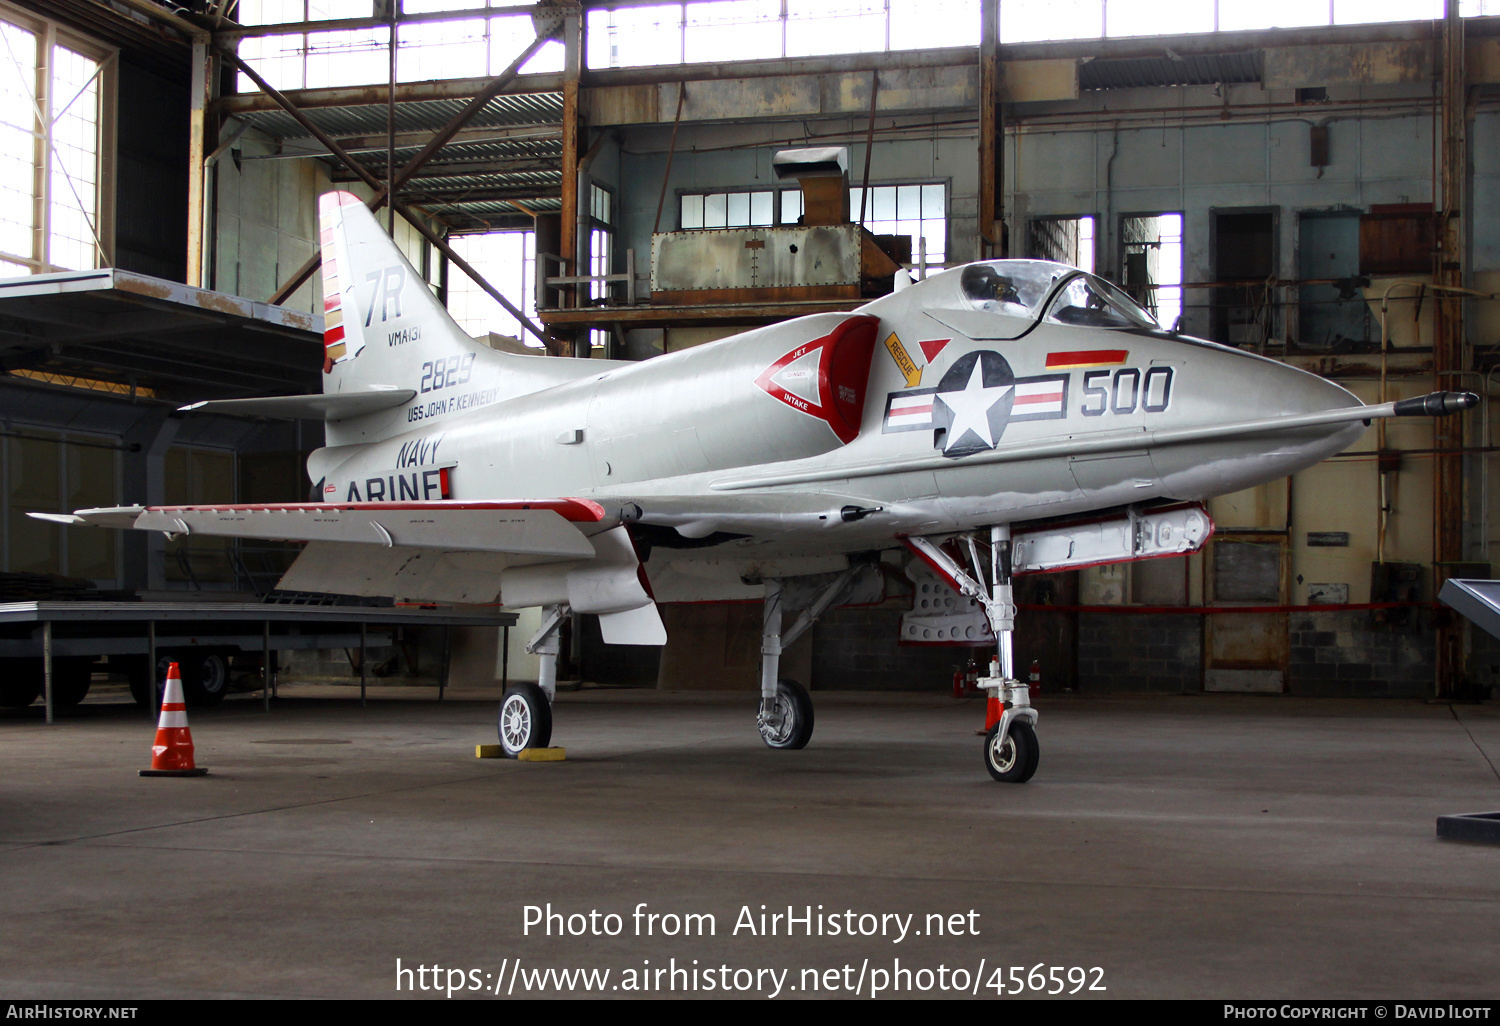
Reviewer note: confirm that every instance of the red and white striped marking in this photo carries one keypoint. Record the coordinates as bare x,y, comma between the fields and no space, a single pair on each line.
1039,397
910,411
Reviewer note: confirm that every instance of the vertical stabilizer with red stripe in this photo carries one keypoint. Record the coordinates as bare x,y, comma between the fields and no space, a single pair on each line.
381,321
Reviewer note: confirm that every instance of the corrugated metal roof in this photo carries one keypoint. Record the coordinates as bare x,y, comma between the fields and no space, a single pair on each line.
447,184
412,116
1170,69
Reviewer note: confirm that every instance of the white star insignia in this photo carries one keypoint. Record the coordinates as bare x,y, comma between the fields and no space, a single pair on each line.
971,407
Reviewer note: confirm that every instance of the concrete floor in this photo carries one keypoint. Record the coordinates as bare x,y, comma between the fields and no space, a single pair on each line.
1197,847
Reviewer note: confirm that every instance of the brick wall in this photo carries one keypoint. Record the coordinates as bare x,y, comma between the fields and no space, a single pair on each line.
1139,652
1349,654
856,649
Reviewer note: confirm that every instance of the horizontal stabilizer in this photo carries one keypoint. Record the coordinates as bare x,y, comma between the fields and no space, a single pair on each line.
329,406
542,527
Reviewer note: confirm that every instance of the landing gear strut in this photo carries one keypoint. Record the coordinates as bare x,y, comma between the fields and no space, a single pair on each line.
1010,752
786,710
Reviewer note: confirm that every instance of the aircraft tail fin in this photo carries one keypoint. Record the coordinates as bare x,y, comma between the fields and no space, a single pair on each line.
381,320
389,342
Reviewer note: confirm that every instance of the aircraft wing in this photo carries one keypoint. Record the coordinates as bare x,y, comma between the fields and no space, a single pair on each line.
523,552
542,527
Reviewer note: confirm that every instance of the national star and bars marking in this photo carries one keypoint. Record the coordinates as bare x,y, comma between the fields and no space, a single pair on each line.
1043,397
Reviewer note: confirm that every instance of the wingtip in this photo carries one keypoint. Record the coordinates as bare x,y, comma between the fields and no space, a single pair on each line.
58,518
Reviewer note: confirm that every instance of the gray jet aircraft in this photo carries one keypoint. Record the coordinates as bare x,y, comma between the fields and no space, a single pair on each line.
999,418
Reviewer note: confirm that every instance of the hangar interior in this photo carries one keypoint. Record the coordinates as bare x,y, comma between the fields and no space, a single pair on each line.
1315,183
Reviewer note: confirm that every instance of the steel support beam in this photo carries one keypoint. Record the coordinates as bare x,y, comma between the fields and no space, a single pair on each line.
406,140
381,196
1448,348
458,121
198,95
442,246
509,165
991,194
366,95
335,24
572,129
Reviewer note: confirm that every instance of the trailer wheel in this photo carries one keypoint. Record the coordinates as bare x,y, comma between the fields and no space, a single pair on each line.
205,677
23,681
140,678
71,678
20,682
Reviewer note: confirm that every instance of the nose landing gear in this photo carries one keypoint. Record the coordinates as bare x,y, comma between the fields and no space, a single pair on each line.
1011,752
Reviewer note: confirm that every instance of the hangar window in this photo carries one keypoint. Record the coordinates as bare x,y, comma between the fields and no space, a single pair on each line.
748,209
1151,263
53,86
701,31
52,473
508,261
1243,248
918,211
1023,21
601,253
1067,240
453,48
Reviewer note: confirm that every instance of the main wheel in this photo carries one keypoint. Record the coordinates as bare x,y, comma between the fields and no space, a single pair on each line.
1015,761
525,719
205,677
790,723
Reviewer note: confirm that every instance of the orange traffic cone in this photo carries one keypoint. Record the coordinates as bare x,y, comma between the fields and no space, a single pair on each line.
172,754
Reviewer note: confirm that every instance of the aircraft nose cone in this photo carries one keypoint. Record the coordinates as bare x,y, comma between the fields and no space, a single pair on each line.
1289,391
1256,392
1285,391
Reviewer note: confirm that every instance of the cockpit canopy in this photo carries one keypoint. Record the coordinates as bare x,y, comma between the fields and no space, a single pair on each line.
1056,293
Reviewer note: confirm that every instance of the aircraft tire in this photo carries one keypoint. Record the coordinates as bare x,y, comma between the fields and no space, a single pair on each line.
525,719
793,729
1016,761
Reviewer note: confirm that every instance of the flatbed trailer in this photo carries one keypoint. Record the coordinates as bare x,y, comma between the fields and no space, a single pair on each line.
59,641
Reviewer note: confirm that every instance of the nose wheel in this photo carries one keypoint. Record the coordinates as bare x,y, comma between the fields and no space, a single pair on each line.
1013,759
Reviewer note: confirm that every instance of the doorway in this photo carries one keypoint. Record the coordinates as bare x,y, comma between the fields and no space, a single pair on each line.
1243,250
1330,316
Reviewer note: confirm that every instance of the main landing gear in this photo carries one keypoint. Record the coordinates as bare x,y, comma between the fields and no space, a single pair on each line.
526,708
1010,751
785,718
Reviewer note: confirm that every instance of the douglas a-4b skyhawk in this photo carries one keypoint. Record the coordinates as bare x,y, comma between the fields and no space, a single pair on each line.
1000,418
